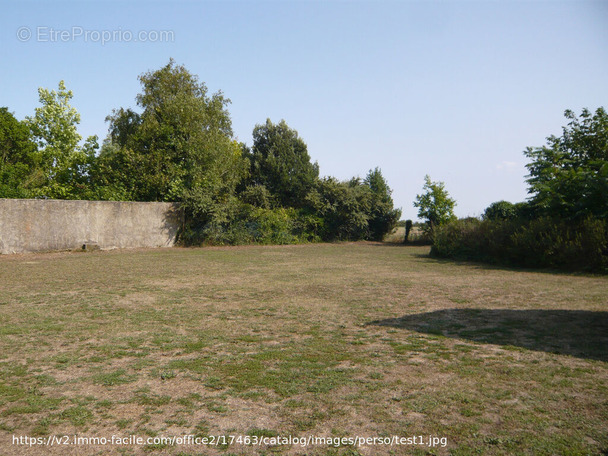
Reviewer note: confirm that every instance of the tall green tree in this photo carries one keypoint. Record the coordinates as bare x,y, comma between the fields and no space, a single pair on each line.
17,157
179,148
280,162
383,217
435,204
63,164
569,176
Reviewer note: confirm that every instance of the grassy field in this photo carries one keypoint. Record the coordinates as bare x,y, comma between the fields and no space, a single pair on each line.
333,340
398,235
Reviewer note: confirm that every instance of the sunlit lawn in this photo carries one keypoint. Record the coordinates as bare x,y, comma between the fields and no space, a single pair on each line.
333,340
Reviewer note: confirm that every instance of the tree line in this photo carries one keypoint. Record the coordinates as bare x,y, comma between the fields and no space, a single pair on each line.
564,222
179,146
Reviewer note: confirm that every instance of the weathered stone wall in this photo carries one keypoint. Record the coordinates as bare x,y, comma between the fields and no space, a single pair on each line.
29,225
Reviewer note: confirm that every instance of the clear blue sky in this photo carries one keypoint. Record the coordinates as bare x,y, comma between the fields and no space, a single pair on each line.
456,90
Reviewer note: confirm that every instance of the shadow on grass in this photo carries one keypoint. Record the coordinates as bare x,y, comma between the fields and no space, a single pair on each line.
579,333
482,265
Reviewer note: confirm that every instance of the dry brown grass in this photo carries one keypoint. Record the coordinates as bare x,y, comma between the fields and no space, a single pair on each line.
333,340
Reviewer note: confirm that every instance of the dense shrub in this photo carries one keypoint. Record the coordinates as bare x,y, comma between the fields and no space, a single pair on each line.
459,239
344,208
581,245
541,242
253,225
258,196
500,210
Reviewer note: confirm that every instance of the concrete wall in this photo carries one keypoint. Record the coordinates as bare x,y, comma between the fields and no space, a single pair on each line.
28,225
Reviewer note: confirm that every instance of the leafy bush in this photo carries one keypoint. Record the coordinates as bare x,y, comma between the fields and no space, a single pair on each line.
459,239
541,242
248,224
575,246
500,210
258,196
344,208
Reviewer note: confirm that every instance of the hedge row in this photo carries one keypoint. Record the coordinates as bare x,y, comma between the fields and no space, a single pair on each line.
539,243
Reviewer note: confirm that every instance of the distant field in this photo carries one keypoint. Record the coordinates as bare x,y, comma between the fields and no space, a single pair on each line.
332,340
398,235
